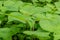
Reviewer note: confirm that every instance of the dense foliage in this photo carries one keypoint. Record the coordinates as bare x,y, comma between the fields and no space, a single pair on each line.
29,19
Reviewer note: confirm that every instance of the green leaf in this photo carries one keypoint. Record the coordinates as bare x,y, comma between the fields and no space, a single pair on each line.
5,32
1,17
45,0
16,16
9,6
49,8
19,4
56,37
30,10
14,29
39,16
40,35
57,6
3,9
1,2
58,11
50,23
